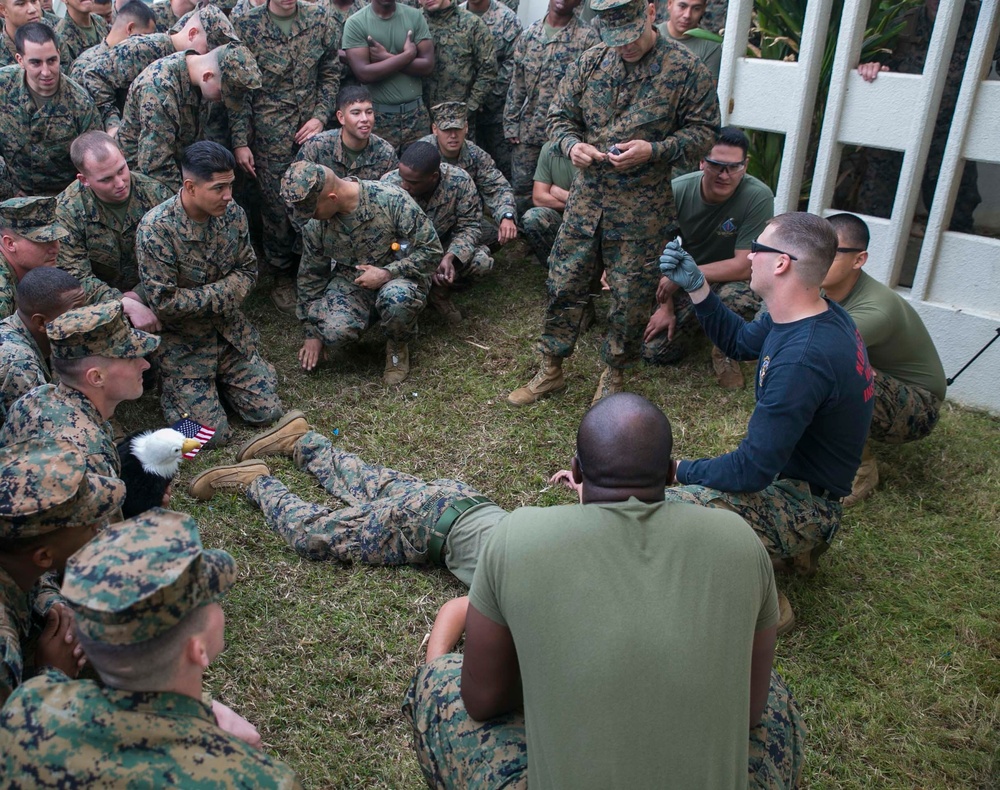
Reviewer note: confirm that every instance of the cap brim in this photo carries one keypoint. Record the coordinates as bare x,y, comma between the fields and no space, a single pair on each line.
140,344
106,495
446,125
298,215
623,35
45,234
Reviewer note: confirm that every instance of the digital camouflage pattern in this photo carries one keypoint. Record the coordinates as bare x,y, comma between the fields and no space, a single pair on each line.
35,141
98,330
22,366
388,517
100,248
787,517
195,276
454,750
164,15
327,149
330,305
8,287
8,187
8,52
300,79
74,39
399,129
457,215
505,27
108,78
540,226
494,190
736,295
85,60
33,218
22,615
540,63
465,66
81,732
139,578
903,412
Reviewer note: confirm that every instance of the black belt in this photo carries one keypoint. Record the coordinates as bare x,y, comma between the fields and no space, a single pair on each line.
814,488
397,109
439,532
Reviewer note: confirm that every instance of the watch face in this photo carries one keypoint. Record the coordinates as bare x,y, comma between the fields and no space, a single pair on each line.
508,215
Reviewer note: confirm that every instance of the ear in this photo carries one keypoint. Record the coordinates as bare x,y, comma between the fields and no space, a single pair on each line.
861,260
782,264
340,117
38,322
42,558
574,467
434,126
196,653
651,13
129,29
82,179
94,377
18,57
192,33
208,75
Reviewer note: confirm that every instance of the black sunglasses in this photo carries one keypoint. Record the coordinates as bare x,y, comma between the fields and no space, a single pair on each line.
756,246
850,249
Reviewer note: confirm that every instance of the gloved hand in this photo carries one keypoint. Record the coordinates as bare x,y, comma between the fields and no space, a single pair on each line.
679,267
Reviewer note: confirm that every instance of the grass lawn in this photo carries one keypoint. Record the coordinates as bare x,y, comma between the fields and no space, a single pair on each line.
895,657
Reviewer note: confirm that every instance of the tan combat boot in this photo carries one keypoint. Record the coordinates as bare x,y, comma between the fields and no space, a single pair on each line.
284,293
279,439
865,479
612,381
228,477
440,299
804,565
786,615
547,381
397,362
727,371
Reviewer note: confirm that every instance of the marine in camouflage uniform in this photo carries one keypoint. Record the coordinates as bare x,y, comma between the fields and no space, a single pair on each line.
33,219
165,112
505,27
618,217
47,496
541,223
35,140
85,60
327,149
300,77
22,364
540,63
132,584
74,39
465,63
195,276
454,750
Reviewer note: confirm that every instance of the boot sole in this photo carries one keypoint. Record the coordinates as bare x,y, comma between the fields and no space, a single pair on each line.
245,447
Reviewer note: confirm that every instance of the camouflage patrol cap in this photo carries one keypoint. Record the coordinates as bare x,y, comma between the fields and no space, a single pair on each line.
34,218
240,74
98,330
450,115
45,486
622,21
218,29
139,578
301,186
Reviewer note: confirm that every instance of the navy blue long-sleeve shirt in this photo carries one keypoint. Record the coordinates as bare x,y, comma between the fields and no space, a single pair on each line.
815,395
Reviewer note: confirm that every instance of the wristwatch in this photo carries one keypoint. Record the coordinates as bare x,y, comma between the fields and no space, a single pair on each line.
508,215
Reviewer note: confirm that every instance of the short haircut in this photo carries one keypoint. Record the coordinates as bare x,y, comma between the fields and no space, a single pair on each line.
96,144
811,239
138,12
36,33
41,290
351,94
72,370
146,666
204,159
624,441
422,157
734,136
853,228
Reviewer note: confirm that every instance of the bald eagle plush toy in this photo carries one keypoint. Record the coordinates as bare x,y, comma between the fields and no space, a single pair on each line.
150,461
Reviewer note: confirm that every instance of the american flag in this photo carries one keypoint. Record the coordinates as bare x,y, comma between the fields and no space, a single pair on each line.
192,430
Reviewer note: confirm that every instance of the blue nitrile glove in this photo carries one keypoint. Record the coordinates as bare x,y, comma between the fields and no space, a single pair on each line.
679,267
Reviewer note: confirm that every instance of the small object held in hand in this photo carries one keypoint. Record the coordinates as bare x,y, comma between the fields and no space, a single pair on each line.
615,150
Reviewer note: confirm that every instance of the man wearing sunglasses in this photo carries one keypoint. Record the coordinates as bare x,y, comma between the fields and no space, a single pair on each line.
719,209
815,395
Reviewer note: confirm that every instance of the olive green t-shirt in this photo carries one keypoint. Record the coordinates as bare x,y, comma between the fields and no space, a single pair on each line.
714,231
390,33
898,343
554,168
634,626
283,23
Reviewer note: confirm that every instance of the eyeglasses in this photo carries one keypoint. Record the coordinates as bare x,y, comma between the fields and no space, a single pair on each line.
724,167
756,246
851,249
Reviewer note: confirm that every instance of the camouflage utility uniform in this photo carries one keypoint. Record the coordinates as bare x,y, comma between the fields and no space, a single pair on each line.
505,27
455,210
622,217
195,276
465,65
540,63
85,60
334,309
327,148
8,286
35,140
100,250
300,76
22,366
74,39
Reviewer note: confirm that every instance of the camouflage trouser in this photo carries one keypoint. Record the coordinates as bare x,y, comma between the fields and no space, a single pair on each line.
787,517
632,277
455,751
903,412
540,226
248,384
278,235
523,161
737,296
489,137
402,128
478,266
388,516
346,310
